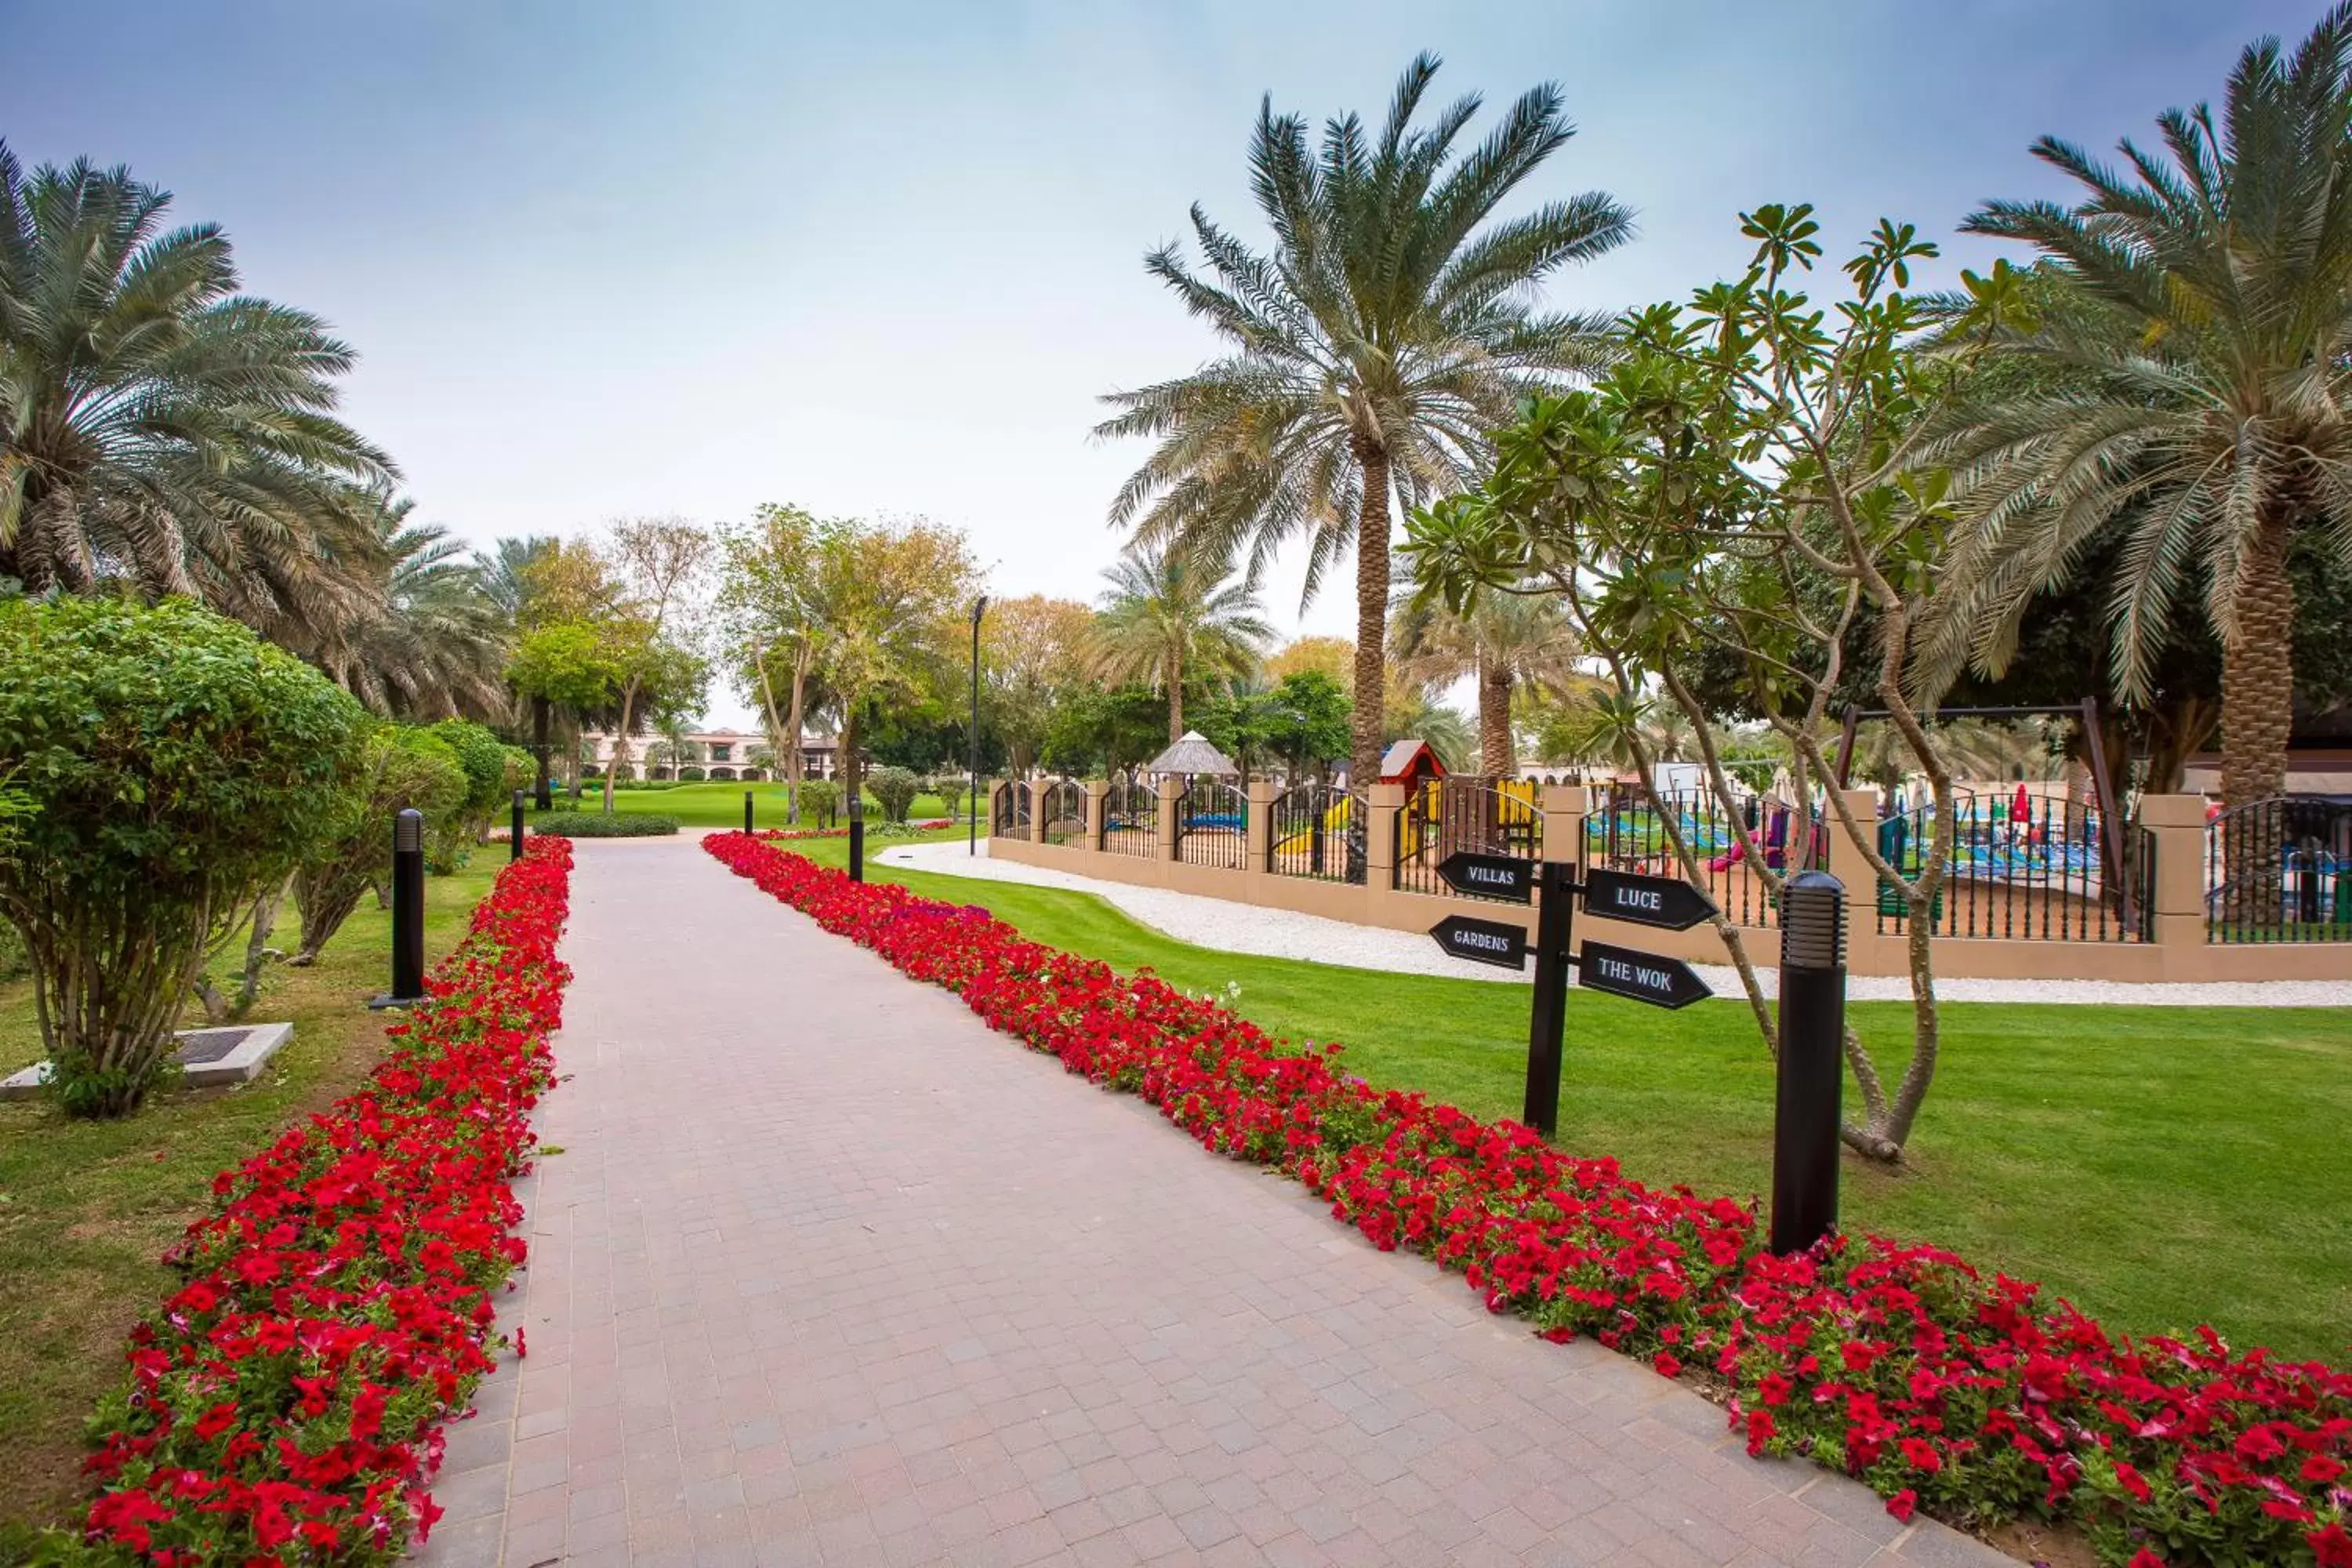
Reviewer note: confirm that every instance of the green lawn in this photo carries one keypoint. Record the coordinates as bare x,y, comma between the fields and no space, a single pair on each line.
87,1208
721,804
2159,1165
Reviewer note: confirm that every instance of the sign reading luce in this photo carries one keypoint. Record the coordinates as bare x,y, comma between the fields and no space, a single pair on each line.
1667,902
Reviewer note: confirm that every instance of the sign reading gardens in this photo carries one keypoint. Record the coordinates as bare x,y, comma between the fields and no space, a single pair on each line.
1665,903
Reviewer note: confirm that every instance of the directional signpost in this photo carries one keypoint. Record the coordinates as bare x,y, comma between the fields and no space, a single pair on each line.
1639,976
1666,903
1483,941
1489,875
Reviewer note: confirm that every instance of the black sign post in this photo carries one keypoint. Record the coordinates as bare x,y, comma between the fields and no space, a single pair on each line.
1547,1019
1668,903
1640,976
1497,942
1502,876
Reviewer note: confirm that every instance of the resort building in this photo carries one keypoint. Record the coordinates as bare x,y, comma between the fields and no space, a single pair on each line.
718,753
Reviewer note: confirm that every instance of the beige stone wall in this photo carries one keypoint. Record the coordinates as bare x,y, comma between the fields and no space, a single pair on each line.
2179,951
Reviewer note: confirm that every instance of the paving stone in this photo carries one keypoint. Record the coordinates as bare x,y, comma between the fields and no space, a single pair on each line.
830,1274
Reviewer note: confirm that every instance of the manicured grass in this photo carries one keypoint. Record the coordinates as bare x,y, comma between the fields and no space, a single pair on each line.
721,804
87,1208
2158,1165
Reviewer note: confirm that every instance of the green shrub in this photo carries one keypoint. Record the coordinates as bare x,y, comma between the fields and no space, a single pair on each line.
180,769
599,824
820,798
896,788
690,775
453,832
399,767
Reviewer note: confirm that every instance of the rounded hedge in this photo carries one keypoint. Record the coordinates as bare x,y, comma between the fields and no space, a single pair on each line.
598,825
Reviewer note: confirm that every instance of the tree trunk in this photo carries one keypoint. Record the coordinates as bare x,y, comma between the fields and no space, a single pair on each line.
2258,673
797,763
1372,616
1175,699
620,742
846,766
1498,758
539,745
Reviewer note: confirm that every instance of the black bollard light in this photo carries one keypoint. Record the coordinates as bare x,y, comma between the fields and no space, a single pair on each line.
1812,1061
856,839
747,811
514,832
407,911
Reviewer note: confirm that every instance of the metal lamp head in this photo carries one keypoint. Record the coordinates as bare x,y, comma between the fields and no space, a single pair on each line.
1812,922
408,831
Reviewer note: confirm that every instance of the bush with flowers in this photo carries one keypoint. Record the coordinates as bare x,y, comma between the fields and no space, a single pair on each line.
284,1404
1970,1396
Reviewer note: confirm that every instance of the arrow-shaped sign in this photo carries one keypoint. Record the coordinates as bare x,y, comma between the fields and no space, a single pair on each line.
1489,875
1640,976
1667,902
1483,941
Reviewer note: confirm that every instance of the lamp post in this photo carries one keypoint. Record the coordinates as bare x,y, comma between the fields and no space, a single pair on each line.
1811,1061
971,847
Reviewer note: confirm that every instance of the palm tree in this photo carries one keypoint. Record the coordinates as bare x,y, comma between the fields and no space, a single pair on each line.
1506,641
1412,714
432,643
1167,620
1371,351
2190,388
158,427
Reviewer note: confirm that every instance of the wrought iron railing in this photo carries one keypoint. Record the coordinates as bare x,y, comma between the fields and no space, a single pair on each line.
2280,871
1627,831
1062,808
1213,825
1131,817
1009,808
1484,816
2022,867
1316,831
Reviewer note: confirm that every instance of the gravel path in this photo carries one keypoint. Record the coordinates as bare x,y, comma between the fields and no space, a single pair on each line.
1229,927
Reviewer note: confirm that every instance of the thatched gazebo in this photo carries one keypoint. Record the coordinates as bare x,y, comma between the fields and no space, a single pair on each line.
1193,755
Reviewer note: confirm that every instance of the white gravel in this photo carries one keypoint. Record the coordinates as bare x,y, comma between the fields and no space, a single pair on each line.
1228,927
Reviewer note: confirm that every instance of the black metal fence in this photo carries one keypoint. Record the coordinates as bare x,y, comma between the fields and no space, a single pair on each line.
1483,815
2280,871
1062,808
1313,830
1626,830
1213,825
2023,867
1131,815
1009,807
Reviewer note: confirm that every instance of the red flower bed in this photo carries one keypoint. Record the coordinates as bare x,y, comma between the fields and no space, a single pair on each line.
285,1404
1937,1385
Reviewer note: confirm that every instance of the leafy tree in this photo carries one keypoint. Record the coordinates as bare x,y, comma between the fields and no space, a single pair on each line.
656,562
399,767
1105,729
896,788
157,424
181,769
822,796
1505,641
1169,620
1334,657
1303,722
772,621
1033,653
1371,351
1742,449
2196,389
491,777
893,598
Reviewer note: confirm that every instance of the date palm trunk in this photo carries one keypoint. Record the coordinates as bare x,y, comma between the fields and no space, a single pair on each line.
1175,699
1498,759
541,747
2258,673
1372,616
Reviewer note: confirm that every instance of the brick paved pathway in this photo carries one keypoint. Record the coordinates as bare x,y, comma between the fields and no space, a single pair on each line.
827,1273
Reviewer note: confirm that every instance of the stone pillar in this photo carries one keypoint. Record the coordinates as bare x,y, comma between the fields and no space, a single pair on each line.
1169,789
1096,790
1259,836
1037,791
2177,823
1564,807
1380,837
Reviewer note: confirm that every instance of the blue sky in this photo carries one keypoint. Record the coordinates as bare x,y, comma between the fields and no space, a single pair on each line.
602,260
